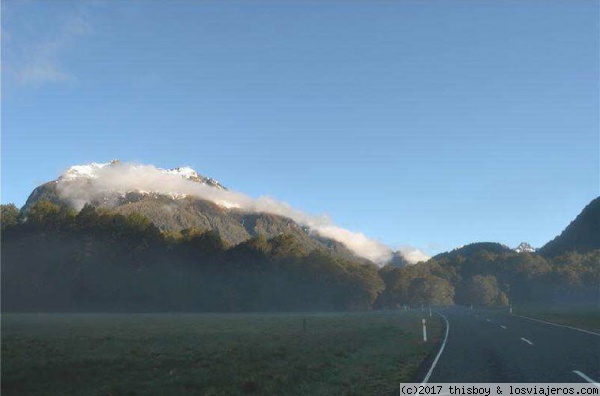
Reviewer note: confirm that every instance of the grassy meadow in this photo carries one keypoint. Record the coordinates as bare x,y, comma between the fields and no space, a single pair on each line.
585,316
367,353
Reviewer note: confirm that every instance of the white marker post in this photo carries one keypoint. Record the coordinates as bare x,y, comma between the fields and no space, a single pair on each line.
510,309
424,331
430,312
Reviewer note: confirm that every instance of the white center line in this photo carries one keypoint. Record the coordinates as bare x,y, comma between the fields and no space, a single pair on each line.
585,377
504,327
441,349
487,320
527,341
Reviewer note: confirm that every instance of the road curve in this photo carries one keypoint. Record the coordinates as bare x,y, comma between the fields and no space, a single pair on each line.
484,346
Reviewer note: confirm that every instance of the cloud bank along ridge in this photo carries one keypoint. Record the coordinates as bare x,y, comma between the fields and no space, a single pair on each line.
82,184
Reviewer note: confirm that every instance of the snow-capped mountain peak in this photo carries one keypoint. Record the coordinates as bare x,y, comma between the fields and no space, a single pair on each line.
524,247
89,171
92,170
190,174
184,171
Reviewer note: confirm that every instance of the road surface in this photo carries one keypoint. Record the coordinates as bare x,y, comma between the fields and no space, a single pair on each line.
484,346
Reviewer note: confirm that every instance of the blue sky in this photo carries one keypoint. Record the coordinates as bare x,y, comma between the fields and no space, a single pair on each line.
430,124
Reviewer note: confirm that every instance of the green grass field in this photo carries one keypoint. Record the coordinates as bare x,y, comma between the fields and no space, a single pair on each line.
213,354
585,316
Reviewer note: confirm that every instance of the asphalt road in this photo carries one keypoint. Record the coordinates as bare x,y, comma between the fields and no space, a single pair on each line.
483,346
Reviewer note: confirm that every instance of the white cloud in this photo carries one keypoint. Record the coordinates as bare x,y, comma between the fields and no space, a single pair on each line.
100,180
37,74
36,59
413,255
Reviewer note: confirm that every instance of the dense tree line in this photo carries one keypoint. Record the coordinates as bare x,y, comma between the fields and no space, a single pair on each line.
57,259
492,275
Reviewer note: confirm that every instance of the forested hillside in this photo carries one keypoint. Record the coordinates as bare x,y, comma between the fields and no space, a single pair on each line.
96,260
582,235
56,259
233,226
484,274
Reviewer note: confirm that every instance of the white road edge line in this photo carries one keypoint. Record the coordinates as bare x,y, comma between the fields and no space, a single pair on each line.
585,377
560,325
527,341
504,327
441,350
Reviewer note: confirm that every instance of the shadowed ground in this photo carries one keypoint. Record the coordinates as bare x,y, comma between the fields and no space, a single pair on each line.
212,354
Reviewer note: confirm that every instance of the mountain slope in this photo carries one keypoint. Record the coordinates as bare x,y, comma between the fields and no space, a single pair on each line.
177,211
582,235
